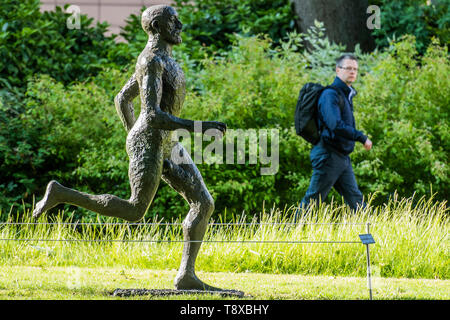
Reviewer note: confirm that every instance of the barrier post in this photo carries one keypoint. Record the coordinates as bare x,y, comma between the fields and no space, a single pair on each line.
368,239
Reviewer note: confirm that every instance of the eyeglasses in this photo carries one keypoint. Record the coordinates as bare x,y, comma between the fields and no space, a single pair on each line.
349,68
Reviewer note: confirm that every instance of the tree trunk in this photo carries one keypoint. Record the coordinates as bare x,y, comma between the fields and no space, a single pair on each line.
345,21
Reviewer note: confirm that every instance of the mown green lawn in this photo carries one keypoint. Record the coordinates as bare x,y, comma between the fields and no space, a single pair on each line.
69,283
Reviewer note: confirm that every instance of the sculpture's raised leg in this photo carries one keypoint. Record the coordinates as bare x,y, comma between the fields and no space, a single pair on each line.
144,181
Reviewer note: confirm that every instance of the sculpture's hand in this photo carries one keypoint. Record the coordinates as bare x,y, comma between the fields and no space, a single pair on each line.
206,125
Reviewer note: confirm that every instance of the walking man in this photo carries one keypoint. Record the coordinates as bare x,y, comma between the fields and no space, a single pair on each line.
330,157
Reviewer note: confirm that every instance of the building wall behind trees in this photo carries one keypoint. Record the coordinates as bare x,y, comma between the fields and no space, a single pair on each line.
113,11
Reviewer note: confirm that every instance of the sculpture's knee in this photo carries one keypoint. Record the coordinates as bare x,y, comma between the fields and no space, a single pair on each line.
204,207
200,213
207,206
136,214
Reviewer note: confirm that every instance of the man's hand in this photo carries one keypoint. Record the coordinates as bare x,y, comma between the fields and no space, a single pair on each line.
206,125
368,144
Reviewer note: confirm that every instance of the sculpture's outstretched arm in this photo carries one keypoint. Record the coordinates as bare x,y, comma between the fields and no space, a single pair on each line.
123,102
151,98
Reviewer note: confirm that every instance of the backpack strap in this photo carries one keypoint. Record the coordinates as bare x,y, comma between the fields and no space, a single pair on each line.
341,105
340,96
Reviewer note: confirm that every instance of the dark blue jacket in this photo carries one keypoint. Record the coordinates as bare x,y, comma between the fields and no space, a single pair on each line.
338,127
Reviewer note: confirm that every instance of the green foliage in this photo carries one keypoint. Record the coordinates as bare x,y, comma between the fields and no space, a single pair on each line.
16,152
33,42
422,18
405,108
72,134
209,25
48,137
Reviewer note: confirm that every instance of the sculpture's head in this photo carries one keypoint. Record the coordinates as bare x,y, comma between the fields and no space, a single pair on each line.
162,20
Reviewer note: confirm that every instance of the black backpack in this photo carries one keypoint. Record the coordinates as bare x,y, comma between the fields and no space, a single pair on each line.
306,111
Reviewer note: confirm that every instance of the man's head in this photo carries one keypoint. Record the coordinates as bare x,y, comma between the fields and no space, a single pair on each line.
162,20
347,68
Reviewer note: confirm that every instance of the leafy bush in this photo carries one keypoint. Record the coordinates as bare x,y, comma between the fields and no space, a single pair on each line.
253,88
209,25
33,42
46,138
405,107
71,134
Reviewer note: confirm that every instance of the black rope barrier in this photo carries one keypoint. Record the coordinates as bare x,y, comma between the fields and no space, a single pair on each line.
180,241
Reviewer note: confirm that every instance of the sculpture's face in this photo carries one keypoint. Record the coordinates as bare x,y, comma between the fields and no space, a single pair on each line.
171,27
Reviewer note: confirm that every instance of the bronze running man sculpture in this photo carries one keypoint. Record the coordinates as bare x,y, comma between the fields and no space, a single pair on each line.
160,82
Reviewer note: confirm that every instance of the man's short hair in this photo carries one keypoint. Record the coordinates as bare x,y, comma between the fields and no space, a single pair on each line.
344,57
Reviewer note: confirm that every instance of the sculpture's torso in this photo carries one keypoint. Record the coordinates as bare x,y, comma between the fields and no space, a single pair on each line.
172,89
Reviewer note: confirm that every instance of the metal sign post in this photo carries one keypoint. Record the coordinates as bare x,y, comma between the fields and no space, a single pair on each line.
368,239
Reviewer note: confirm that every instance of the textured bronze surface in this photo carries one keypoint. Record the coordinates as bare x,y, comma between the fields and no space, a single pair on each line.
159,81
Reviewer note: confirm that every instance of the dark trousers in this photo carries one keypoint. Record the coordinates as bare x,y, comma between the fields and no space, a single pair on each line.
332,169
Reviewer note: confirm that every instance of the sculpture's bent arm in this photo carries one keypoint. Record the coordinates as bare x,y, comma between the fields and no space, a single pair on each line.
151,99
123,102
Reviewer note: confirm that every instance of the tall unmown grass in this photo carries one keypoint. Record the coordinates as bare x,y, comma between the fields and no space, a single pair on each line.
411,241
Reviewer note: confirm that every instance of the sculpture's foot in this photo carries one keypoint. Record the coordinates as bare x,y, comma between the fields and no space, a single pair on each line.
49,200
189,281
